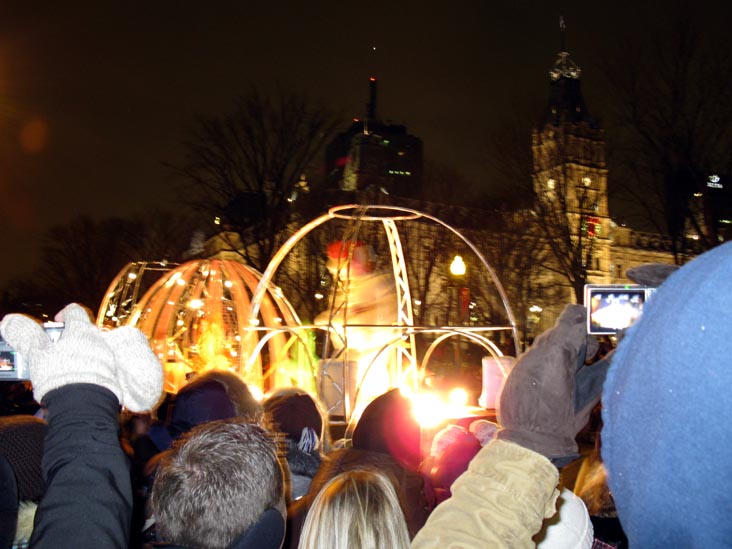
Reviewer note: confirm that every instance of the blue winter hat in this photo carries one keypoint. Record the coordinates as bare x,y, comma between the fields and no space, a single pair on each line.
667,437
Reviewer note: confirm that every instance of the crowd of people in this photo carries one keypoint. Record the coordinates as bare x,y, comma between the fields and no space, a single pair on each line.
212,467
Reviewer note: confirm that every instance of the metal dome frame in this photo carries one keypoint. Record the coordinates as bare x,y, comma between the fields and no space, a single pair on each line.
403,345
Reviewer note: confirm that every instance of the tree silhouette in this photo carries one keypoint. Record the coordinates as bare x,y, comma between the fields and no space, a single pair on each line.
243,171
672,126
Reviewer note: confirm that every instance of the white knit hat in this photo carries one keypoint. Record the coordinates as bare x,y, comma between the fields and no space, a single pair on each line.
569,528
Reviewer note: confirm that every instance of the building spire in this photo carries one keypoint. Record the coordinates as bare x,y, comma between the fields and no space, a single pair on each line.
371,105
564,66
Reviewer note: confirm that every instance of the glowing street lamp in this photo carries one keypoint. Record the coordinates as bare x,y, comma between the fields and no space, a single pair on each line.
457,270
457,267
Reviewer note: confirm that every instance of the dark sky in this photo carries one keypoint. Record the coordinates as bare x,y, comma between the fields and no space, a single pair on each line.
95,96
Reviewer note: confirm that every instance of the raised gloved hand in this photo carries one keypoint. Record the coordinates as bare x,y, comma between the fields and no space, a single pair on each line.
120,360
550,392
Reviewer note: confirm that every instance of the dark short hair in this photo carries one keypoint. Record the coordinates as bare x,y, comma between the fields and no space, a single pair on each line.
215,483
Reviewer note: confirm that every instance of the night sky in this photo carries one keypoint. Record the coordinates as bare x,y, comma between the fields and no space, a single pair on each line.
96,96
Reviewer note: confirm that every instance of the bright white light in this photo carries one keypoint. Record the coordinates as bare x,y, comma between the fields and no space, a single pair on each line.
428,409
535,309
228,283
132,276
458,397
257,392
318,295
587,181
550,184
457,267
195,304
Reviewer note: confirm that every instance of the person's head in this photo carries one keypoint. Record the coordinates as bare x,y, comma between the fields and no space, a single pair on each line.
356,509
216,484
666,435
291,409
388,425
452,450
213,395
570,527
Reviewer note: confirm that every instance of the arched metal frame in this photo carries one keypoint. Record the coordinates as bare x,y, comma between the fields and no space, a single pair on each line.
406,349
123,292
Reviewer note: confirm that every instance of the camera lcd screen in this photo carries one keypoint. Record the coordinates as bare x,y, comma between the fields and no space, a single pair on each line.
610,309
7,362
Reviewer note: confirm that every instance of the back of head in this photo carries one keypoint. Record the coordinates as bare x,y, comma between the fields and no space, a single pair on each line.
356,510
215,484
291,410
388,425
666,437
213,395
452,450
245,405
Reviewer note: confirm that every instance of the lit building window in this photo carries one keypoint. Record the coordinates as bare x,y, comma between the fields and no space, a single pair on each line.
550,184
713,182
587,181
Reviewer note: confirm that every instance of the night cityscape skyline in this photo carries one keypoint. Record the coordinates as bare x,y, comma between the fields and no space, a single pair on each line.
97,98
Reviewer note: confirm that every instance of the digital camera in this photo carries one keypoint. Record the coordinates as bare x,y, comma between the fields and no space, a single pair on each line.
12,365
614,307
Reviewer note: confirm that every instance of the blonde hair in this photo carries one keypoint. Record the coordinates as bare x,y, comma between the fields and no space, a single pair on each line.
357,509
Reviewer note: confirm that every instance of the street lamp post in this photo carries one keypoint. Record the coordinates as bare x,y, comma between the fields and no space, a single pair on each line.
457,271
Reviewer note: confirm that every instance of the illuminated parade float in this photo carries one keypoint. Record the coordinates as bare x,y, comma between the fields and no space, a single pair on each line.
222,314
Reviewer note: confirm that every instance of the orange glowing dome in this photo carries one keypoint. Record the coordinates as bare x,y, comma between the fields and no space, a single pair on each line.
197,318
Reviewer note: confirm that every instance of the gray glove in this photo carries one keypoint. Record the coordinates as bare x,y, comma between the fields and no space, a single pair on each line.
550,392
120,360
